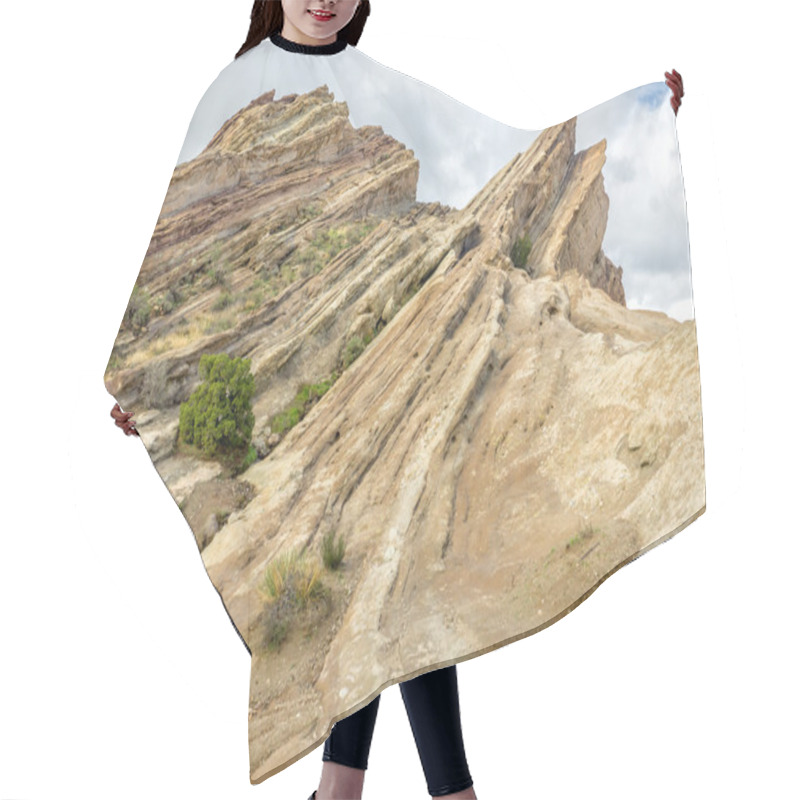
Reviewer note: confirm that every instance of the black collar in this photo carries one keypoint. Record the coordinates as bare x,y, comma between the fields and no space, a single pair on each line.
308,49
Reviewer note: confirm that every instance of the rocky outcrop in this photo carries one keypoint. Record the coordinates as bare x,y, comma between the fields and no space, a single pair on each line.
556,198
511,435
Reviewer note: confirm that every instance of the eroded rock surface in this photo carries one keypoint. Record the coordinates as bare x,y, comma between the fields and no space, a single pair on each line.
510,436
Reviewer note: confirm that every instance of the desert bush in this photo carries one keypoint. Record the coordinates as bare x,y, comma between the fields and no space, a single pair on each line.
218,417
290,581
292,576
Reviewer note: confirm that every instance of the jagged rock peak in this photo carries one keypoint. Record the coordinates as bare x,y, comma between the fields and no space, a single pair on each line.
549,209
266,121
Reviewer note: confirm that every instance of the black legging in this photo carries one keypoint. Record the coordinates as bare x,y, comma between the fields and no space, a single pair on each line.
431,701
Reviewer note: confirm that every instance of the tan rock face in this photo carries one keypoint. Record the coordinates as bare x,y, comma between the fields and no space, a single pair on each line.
508,436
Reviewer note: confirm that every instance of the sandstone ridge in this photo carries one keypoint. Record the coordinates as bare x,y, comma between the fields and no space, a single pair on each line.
511,434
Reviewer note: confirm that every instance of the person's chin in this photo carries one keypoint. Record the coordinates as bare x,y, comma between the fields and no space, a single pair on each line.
317,36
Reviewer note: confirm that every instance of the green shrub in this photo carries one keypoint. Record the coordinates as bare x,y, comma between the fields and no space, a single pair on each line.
250,457
223,301
332,554
137,314
166,302
520,251
354,348
308,395
218,417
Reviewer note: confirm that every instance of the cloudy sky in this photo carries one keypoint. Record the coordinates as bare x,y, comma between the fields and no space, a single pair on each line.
647,226
460,149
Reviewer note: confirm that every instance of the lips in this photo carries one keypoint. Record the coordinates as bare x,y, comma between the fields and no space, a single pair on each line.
321,15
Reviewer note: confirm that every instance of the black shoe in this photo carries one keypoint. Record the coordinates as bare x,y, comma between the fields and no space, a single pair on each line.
313,795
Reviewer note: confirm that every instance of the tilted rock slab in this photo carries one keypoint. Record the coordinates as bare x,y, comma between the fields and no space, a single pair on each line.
511,437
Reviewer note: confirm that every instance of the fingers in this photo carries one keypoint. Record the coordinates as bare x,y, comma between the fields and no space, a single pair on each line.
129,428
119,414
122,419
674,81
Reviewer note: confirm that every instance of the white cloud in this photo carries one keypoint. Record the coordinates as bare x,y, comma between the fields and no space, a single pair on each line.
647,231
459,149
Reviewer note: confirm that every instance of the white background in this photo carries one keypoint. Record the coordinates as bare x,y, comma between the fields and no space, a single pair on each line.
121,674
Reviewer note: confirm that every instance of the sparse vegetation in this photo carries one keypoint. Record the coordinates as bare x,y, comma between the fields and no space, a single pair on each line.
332,554
137,314
520,251
292,574
288,273
115,361
310,393
217,276
255,296
290,582
308,212
276,632
224,300
217,268
323,248
250,458
183,332
167,302
307,396
333,240
586,532
309,257
354,348
218,324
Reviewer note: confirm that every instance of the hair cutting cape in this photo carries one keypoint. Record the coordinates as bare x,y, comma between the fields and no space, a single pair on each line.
384,356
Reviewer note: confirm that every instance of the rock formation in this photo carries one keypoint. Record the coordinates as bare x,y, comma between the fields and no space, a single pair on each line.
511,435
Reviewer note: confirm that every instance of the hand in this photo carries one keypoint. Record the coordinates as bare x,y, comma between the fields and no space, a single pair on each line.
675,82
123,420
